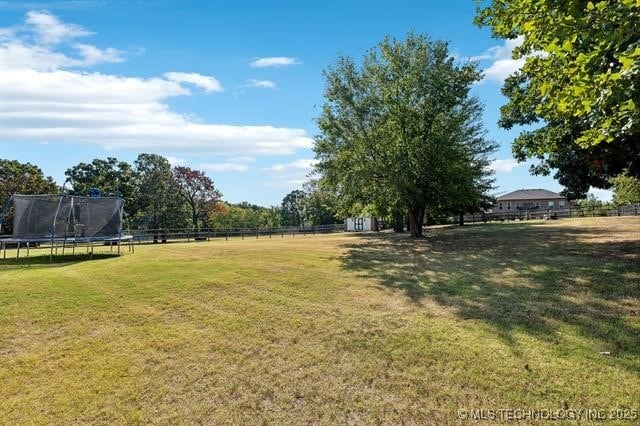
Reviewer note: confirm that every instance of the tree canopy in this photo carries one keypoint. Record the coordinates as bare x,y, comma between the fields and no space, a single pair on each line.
401,132
626,189
110,176
23,178
198,190
580,83
293,208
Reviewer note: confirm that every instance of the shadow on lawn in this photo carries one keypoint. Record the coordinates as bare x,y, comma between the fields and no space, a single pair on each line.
43,261
516,278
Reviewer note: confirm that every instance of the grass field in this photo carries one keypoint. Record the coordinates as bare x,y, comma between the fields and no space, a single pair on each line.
325,329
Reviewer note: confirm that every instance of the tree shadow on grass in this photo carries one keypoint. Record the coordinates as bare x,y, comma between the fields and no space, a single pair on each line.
516,278
43,260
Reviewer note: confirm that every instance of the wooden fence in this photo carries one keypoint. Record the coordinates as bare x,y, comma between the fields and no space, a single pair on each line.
160,236
574,210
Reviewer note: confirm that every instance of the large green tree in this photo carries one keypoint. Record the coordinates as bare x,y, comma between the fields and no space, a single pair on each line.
110,176
21,178
400,131
157,202
626,189
580,86
293,208
320,204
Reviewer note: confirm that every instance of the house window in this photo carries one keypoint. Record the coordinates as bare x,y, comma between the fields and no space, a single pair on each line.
499,206
536,205
550,204
508,205
561,204
518,206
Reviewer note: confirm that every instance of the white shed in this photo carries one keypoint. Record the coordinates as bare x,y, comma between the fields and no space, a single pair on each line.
361,224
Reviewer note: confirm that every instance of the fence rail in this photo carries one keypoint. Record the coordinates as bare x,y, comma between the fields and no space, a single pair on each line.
573,211
156,236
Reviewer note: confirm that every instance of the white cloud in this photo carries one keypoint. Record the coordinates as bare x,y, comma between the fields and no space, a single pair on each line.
44,99
208,83
290,175
263,84
33,45
244,159
502,62
288,184
17,55
50,30
224,167
304,164
504,165
92,55
274,61
176,161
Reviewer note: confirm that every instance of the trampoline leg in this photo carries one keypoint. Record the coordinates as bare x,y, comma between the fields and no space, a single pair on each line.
63,246
118,248
133,247
91,251
111,246
18,252
51,252
73,248
4,250
27,249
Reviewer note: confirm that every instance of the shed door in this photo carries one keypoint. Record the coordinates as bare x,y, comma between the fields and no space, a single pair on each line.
359,224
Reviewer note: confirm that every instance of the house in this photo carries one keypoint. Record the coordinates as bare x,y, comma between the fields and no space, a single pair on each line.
361,224
529,203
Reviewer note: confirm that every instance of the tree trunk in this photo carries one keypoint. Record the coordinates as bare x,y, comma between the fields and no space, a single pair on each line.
398,223
194,216
461,218
416,220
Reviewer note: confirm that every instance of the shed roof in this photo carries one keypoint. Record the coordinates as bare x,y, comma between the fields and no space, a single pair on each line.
530,194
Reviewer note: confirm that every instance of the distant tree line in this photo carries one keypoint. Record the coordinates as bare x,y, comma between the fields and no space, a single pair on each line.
158,195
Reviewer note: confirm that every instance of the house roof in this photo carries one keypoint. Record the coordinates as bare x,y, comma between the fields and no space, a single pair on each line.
530,194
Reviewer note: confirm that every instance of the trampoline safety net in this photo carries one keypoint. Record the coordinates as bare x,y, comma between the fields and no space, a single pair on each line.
66,216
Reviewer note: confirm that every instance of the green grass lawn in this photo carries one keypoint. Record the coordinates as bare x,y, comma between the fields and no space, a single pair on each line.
324,329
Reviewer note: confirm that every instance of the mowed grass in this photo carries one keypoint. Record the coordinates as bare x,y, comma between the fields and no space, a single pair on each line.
327,329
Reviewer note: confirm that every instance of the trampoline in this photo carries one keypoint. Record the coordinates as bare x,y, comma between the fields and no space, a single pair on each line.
64,220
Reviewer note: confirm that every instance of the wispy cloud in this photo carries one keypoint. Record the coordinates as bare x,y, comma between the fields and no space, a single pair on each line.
290,175
274,61
288,184
504,165
50,30
206,82
242,159
176,161
303,164
501,60
224,167
262,84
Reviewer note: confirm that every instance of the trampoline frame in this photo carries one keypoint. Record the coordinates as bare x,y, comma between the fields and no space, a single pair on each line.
54,241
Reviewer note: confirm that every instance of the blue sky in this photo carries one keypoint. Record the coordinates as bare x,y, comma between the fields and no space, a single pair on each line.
232,88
